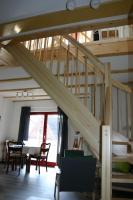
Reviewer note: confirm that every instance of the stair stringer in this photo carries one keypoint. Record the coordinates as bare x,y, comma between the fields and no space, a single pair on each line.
80,116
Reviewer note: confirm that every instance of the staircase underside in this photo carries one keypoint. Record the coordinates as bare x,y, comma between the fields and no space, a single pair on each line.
79,115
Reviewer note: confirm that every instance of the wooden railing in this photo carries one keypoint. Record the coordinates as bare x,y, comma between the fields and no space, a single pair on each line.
72,67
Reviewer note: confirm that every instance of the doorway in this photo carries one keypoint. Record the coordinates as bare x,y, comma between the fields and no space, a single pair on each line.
43,127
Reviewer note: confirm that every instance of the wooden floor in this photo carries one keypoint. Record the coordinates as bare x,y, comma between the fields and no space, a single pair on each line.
32,186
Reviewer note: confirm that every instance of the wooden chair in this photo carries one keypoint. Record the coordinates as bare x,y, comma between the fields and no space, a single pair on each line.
42,156
77,175
14,155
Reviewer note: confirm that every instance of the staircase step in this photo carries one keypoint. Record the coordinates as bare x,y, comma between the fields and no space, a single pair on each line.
125,158
120,198
120,188
127,143
122,178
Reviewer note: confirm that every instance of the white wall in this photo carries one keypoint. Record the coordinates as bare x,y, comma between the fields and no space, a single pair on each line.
19,9
6,109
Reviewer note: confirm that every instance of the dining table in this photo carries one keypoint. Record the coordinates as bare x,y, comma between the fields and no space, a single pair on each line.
30,150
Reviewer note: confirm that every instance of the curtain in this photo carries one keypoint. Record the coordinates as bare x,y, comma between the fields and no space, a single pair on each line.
62,134
24,124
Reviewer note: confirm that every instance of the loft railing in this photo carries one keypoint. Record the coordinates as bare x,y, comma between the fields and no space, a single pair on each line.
71,67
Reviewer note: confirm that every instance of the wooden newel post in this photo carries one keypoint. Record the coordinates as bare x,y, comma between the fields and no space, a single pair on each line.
106,189
106,192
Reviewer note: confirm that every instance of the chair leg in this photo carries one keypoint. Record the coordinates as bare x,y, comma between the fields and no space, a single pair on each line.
57,187
20,164
7,168
28,163
36,163
39,165
46,166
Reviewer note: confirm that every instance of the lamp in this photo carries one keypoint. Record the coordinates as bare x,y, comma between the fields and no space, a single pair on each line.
71,4
24,93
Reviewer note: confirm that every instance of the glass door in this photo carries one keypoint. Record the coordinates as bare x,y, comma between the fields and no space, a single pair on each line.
52,137
43,128
36,129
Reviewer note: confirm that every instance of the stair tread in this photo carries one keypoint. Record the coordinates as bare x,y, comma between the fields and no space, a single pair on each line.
121,142
129,176
122,178
115,198
125,158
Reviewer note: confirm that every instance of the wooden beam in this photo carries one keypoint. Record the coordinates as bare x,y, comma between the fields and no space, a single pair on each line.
113,13
19,89
81,95
34,99
74,109
6,58
28,98
15,79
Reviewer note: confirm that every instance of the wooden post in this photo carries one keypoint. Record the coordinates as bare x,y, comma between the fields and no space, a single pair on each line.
108,96
106,189
131,100
106,163
129,115
86,84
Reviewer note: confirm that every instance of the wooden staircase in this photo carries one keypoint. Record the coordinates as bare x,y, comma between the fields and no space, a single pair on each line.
82,119
123,181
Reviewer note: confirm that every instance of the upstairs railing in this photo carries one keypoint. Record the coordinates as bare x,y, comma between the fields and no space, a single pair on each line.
71,67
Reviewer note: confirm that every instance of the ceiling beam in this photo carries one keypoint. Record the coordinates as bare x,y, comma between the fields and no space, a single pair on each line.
114,13
19,89
16,79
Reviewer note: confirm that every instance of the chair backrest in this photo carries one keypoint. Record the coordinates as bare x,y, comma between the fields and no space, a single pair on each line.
77,174
44,150
15,148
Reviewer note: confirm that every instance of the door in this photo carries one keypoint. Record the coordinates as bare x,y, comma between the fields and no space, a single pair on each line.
43,128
